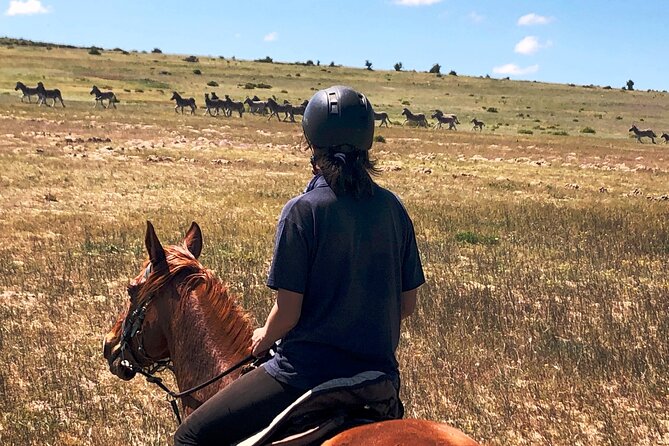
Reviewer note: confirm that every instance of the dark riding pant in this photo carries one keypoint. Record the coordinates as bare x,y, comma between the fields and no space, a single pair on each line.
238,411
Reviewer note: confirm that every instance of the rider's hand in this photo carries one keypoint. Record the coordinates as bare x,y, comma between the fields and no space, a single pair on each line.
259,342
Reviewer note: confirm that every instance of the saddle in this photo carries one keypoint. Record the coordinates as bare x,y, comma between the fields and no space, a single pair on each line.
330,408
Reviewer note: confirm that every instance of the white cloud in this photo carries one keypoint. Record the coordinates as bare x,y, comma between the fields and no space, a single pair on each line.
476,17
515,70
530,45
271,37
416,2
28,7
534,19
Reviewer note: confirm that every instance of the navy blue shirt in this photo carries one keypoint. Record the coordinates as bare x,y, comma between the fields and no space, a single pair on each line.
351,259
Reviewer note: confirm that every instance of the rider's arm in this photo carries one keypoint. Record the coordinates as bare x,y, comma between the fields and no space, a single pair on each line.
408,302
282,318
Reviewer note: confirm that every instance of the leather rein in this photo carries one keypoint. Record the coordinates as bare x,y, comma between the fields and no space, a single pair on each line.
132,327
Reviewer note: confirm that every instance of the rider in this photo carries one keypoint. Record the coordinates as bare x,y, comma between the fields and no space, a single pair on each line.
346,270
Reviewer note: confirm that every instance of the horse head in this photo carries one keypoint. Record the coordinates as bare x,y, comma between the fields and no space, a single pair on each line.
95,90
139,335
19,86
633,128
405,111
175,96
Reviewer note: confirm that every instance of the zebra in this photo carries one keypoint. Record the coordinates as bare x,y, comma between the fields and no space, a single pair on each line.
101,96
231,106
665,136
441,113
297,109
648,133
212,104
26,91
275,108
43,94
383,117
451,120
256,107
182,102
477,124
418,119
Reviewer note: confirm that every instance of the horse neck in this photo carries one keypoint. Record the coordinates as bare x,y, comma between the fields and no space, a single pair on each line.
207,334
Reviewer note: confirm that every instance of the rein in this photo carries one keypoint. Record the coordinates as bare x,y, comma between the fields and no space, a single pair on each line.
174,396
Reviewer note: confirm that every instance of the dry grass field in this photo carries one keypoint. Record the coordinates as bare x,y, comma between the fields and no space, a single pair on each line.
544,317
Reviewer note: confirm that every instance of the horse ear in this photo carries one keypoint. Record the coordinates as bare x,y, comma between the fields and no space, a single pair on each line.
155,249
193,240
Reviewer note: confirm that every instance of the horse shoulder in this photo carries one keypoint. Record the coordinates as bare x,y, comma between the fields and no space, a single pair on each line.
402,433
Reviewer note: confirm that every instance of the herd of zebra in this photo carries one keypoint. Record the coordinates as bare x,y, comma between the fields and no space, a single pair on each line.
214,105
43,94
271,108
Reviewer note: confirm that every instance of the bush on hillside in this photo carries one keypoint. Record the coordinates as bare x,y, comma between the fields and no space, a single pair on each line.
95,51
212,83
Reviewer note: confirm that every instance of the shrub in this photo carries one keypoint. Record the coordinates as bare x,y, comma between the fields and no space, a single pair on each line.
379,138
249,86
212,83
265,60
436,68
332,64
476,239
191,59
309,63
94,51
263,85
197,71
398,66
588,130
368,64
452,73
525,132
491,110
559,133
156,51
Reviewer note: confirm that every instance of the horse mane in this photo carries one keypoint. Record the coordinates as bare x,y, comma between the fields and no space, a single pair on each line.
191,278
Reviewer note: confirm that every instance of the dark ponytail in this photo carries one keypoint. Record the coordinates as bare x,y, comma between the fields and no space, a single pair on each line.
347,172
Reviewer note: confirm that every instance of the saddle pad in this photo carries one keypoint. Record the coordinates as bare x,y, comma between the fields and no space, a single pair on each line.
371,393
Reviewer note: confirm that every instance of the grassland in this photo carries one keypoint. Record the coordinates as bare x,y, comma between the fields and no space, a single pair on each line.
544,318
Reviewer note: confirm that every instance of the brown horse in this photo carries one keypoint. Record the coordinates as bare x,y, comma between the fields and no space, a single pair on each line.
179,313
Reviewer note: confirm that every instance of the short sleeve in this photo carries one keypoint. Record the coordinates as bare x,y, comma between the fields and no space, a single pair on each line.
290,263
412,269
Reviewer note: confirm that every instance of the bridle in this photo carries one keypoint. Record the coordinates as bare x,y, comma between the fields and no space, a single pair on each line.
131,328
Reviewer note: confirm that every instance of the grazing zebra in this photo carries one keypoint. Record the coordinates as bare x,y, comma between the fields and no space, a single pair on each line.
383,117
231,106
43,94
648,133
297,109
477,124
26,91
418,119
665,137
212,104
182,102
451,120
275,108
101,96
256,107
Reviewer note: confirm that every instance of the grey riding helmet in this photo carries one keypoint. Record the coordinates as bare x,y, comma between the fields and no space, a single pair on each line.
339,117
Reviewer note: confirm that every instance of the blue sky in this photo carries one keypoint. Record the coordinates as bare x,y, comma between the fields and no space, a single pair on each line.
565,41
